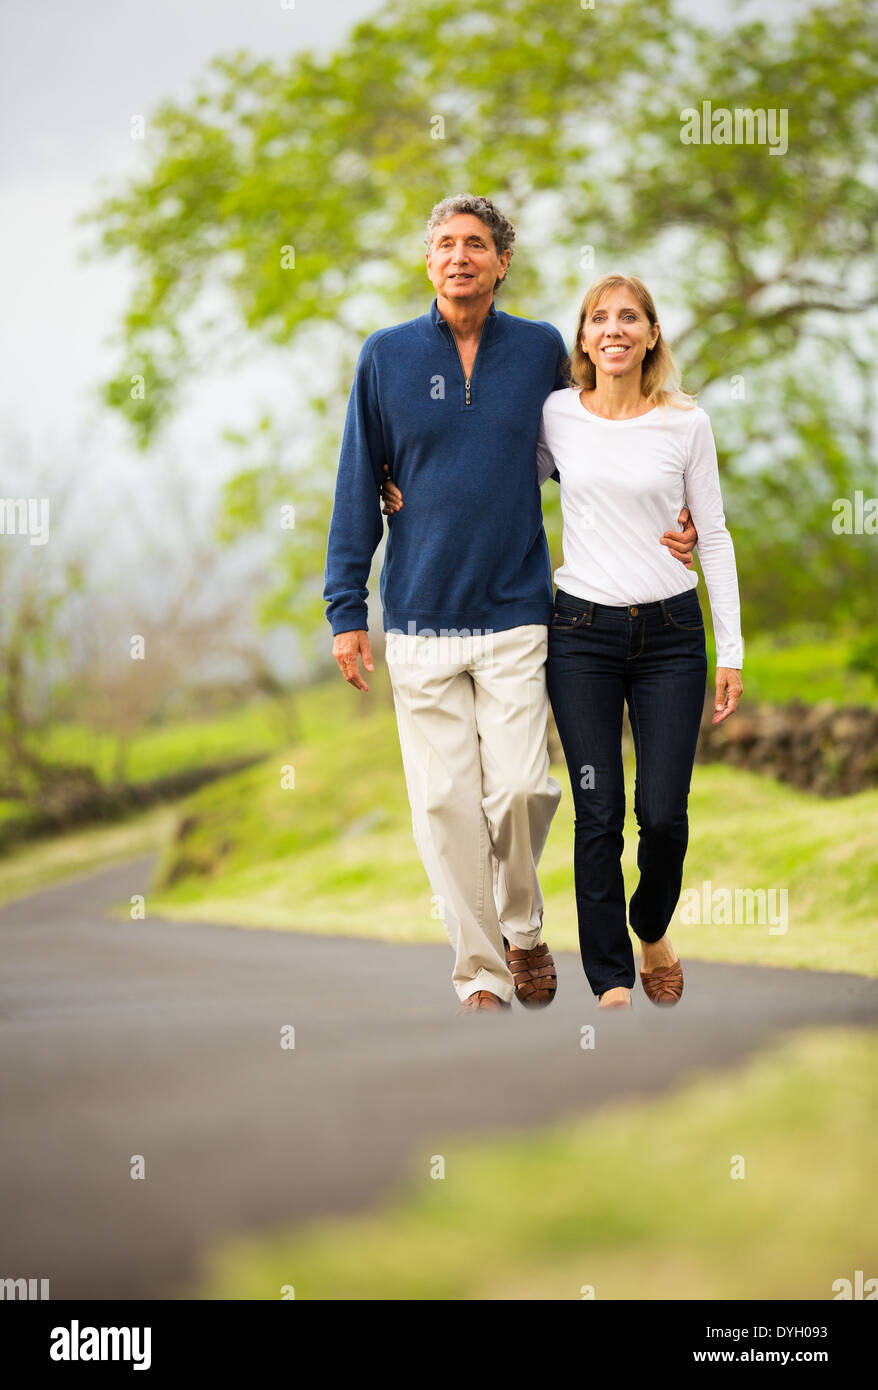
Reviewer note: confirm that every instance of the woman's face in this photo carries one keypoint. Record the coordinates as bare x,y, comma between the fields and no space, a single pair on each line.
617,334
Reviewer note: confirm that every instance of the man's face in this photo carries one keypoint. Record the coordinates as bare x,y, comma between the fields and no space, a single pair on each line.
462,262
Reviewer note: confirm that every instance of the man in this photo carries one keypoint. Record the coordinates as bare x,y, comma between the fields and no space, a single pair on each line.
448,405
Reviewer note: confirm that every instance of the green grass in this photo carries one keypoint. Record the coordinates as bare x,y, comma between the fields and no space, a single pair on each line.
164,749
167,748
636,1201
809,670
335,853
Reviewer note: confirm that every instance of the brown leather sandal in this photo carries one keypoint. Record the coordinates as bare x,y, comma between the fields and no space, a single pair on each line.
483,1001
663,985
533,971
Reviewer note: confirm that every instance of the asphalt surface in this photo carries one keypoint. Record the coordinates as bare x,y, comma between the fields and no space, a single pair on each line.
162,1039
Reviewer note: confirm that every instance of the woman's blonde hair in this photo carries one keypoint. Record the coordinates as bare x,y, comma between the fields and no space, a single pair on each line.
660,382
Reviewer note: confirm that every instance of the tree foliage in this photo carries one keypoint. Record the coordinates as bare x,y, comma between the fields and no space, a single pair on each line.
571,119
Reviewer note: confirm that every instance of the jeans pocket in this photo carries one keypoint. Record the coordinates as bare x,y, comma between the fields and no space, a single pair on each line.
566,618
684,621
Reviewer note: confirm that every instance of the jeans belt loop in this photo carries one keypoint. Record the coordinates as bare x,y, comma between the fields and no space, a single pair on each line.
589,611
664,613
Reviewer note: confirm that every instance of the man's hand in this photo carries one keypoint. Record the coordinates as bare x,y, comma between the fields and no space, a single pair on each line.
681,543
728,692
346,648
390,496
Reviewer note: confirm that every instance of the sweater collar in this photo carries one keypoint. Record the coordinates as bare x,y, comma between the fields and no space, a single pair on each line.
438,320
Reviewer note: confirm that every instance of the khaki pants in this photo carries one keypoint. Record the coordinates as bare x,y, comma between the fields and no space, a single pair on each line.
473,721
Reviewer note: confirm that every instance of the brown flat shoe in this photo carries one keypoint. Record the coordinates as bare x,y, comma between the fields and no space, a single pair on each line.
483,1001
533,971
663,985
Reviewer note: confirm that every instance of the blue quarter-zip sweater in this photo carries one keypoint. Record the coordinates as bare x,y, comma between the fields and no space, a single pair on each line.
468,549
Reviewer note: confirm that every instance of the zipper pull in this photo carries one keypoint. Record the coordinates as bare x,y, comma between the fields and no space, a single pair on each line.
468,396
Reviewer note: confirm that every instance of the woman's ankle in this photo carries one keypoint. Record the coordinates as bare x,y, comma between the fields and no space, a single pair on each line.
619,997
659,952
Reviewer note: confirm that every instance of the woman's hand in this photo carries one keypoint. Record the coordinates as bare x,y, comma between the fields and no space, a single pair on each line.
728,692
390,496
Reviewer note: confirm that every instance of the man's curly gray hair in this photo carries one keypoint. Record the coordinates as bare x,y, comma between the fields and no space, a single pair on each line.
500,227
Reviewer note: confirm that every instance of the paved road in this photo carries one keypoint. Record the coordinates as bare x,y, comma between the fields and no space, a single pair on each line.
162,1039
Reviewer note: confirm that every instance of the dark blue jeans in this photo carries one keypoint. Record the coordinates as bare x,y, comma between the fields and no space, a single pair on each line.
652,657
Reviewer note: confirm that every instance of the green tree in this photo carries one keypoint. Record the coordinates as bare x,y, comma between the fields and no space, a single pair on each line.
298,194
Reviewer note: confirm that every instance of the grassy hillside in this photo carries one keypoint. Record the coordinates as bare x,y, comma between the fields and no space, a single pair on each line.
637,1201
335,853
811,669
157,751
161,749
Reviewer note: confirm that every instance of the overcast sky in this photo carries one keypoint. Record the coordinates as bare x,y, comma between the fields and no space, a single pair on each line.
73,75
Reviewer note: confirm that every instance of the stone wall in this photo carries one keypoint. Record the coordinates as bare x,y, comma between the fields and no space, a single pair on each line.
819,748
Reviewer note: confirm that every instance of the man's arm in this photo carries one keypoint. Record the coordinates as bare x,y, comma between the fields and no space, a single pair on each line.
681,543
562,364
562,381
546,467
356,526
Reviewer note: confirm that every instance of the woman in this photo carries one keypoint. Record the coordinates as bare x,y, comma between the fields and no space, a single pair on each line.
627,448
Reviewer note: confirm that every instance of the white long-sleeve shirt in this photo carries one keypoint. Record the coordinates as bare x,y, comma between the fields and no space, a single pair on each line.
623,483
